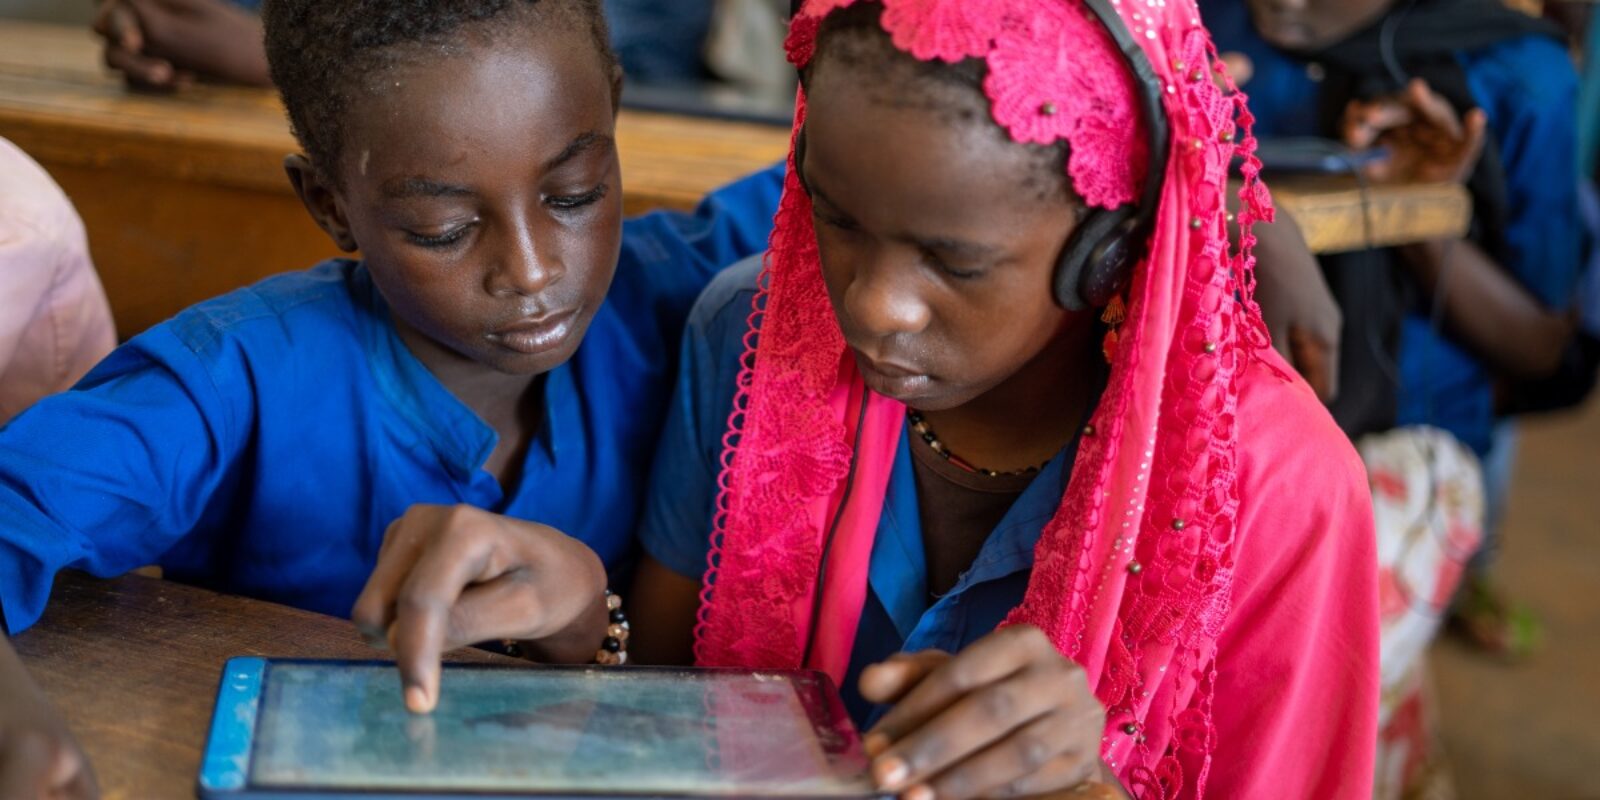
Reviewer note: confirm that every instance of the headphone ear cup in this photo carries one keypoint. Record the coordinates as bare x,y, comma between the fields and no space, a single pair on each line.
1111,264
1080,266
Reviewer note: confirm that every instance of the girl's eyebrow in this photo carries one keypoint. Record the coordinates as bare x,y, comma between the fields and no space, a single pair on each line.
956,247
959,248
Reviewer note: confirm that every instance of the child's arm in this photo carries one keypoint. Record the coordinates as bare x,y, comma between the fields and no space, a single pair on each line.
662,607
1296,304
678,517
1488,311
448,577
167,43
108,476
1008,716
452,576
38,756
1502,312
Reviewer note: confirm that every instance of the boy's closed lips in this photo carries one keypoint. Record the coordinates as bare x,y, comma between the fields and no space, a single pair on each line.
536,334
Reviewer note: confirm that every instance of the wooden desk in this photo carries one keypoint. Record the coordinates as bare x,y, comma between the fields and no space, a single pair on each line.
184,195
133,665
1337,216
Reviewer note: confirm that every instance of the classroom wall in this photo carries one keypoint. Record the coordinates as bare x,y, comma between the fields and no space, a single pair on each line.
66,12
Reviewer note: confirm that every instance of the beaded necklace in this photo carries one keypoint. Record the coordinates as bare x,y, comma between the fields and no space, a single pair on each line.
921,427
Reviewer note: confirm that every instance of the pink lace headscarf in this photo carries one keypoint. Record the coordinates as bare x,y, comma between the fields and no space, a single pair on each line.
1132,576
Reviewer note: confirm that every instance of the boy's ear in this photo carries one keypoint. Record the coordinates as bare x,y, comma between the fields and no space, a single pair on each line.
321,200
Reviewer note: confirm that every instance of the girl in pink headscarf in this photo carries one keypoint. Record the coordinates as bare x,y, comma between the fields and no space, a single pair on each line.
1036,546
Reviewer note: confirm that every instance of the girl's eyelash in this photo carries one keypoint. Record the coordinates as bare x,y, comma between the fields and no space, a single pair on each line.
833,221
571,201
442,240
939,264
958,274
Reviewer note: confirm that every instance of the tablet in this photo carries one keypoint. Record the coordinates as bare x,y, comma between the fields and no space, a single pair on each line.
339,729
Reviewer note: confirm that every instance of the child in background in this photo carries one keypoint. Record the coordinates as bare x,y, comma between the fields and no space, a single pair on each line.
54,320
499,359
1442,337
1462,90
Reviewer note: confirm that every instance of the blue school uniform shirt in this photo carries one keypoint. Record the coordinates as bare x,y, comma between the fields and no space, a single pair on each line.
1528,88
261,442
898,614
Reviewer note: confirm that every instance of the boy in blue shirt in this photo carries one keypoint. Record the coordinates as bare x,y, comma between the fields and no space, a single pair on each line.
270,441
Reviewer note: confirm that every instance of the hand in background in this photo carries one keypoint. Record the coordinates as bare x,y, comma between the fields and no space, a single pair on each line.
1299,309
166,44
1428,141
452,576
39,759
1008,716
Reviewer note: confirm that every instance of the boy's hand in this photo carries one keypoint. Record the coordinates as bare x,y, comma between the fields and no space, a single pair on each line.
38,756
165,44
452,576
1429,142
1006,717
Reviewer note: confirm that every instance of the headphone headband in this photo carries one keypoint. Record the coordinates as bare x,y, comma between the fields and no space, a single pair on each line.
1150,91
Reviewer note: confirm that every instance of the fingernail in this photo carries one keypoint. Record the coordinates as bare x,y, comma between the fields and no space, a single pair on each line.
919,792
892,772
417,700
875,744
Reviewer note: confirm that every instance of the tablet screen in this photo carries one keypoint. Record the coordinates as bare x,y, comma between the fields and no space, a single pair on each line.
575,731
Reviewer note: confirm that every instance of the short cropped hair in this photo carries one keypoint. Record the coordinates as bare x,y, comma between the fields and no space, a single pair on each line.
321,51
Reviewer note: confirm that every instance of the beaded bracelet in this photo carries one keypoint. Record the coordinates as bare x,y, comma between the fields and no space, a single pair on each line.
613,651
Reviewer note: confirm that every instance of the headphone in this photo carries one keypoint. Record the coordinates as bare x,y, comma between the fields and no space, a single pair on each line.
1098,260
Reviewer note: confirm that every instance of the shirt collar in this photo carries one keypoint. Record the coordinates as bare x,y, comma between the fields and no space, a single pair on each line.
462,439
898,573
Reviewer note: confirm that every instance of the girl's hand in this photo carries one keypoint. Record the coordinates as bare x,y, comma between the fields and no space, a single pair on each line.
1006,717
452,576
1429,142
38,756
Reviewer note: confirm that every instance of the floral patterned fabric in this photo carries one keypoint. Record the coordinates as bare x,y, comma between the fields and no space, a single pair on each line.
1428,501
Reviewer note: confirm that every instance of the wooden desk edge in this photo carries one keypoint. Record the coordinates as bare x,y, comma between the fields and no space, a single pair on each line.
1352,219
